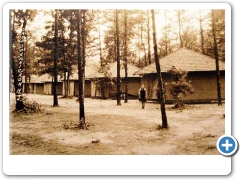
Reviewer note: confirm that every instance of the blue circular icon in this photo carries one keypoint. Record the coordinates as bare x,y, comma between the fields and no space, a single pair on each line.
227,145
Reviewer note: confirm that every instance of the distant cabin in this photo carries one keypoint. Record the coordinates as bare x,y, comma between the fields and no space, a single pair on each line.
201,72
109,76
43,84
90,69
48,84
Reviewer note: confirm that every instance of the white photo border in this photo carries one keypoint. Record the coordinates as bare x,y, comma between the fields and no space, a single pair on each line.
114,164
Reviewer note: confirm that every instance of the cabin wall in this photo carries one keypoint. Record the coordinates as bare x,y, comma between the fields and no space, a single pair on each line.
96,91
39,88
26,88
70,88
134,83
48,88
204,84
87,88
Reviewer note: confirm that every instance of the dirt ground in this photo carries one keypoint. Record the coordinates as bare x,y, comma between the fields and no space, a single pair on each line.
125,129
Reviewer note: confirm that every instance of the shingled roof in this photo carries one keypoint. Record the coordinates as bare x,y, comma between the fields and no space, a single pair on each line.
112,71
39,79
90,69
184,59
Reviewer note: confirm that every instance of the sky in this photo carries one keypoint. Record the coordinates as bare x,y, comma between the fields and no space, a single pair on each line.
38,24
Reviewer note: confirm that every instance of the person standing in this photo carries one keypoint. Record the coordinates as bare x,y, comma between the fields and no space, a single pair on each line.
142,93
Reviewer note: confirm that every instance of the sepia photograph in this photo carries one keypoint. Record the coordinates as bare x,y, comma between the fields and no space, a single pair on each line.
116,81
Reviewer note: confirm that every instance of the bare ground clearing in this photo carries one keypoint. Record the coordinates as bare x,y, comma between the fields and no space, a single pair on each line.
125,129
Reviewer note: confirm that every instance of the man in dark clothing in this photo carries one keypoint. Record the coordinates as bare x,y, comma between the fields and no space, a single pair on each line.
142,93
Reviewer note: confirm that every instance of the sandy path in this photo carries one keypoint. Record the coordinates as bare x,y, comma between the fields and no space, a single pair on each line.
126,129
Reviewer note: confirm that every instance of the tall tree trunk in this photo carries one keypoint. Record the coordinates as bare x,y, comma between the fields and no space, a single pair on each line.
83,30
55,98
115,38
51,86
166,34
202,40
100,43
103,80
11,41
25,66
125,57
139,59
14,71
80,74
10,52
25,83
143,47
68,83
29,81
118,60
145,55
159,75
101,59
216,58
65,69
180,27
70,56
19,102
65,61
65,83
148,31
201,32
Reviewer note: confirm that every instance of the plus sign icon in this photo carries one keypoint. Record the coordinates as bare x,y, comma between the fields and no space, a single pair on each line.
227,145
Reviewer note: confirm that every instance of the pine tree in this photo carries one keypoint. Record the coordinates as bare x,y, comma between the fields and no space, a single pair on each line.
55,69
216,58
118,58
23,16
159,75
125,54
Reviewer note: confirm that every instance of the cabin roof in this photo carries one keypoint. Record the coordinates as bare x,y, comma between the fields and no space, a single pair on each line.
184,59
111,71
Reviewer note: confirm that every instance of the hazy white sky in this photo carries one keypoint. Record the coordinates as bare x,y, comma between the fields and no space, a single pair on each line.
37,26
